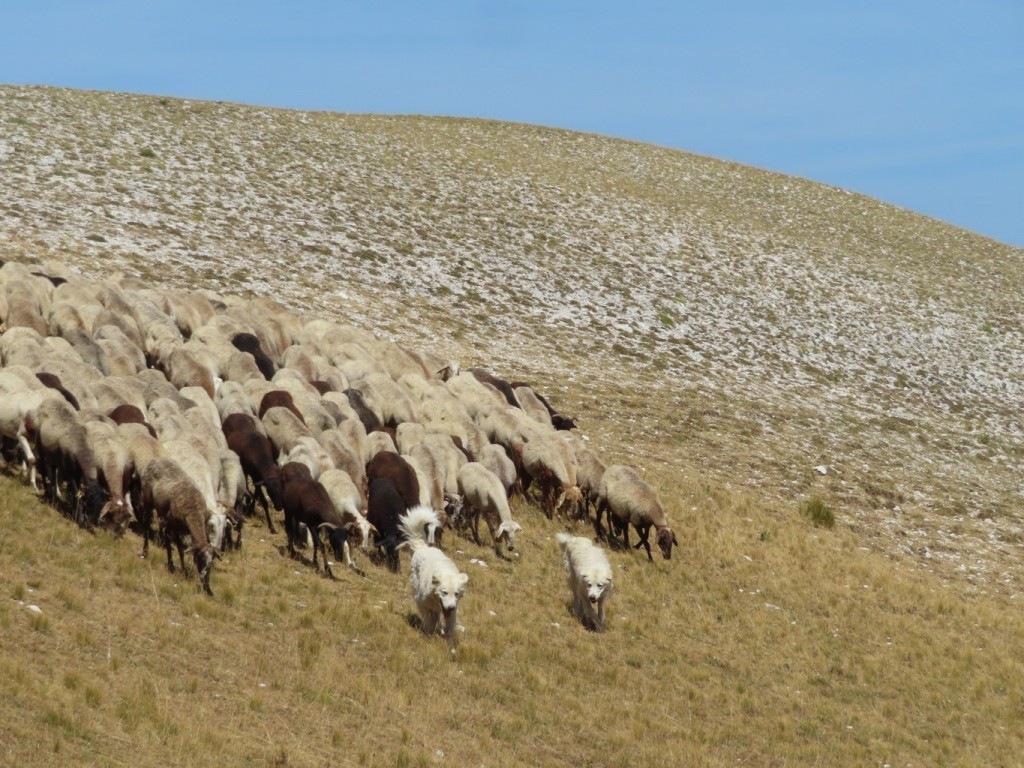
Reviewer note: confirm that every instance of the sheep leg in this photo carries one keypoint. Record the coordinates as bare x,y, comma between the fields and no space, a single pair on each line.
475,527
29,459
643,534
600,508
167,546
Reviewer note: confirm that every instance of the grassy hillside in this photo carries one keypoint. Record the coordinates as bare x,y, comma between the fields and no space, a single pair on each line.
750,340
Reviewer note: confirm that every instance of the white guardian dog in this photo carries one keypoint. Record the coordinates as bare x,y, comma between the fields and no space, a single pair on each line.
437,584
589,577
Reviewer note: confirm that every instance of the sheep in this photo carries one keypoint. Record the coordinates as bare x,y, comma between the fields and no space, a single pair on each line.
346,498
385,507
142,448
371,419
17,423
387,398
284,429
241,366
497,461
63,448
379,441
256,456
247,342
485,377
181,510
452,456
483,494
309,452
589,471
532,406
231,493
114,471
544,464
398,470
232,398
472,394
345,455
408,434
307,502
53,382
202,463
124,357
184,367
628,500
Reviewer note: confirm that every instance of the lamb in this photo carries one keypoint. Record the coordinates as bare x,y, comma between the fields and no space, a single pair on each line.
307,502
437,584
483,494
628,499
589,575
181,511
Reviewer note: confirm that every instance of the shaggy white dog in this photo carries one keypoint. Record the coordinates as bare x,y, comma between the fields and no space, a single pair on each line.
437,584
589,578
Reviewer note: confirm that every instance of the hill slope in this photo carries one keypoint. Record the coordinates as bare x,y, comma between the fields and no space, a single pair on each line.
727,329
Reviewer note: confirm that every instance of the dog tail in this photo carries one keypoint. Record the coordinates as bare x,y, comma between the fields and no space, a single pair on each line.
563,538
419,526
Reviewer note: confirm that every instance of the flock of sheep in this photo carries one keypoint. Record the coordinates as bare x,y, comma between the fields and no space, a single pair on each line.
130,405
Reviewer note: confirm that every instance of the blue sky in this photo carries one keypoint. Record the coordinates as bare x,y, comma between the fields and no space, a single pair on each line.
919,103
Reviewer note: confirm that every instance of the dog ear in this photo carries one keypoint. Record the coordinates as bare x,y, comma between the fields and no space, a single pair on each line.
463,580
436,580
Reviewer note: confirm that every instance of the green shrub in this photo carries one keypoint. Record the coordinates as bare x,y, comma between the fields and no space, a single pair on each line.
821,514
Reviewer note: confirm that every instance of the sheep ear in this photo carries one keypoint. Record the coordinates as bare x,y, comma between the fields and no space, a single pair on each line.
674,539
351,526
106,511
373,530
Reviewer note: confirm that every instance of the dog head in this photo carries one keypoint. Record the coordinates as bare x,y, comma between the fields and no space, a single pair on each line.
597,587
449,588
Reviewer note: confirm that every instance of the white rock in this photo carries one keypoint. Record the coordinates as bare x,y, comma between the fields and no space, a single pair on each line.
821,469
33,609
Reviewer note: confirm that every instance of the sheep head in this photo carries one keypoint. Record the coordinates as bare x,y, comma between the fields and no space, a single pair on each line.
508,530
666,538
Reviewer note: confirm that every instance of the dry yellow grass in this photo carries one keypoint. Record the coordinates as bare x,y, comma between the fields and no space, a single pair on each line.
682,308
764,641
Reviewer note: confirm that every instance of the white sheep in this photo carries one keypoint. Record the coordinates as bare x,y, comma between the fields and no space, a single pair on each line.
483,494
347,501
